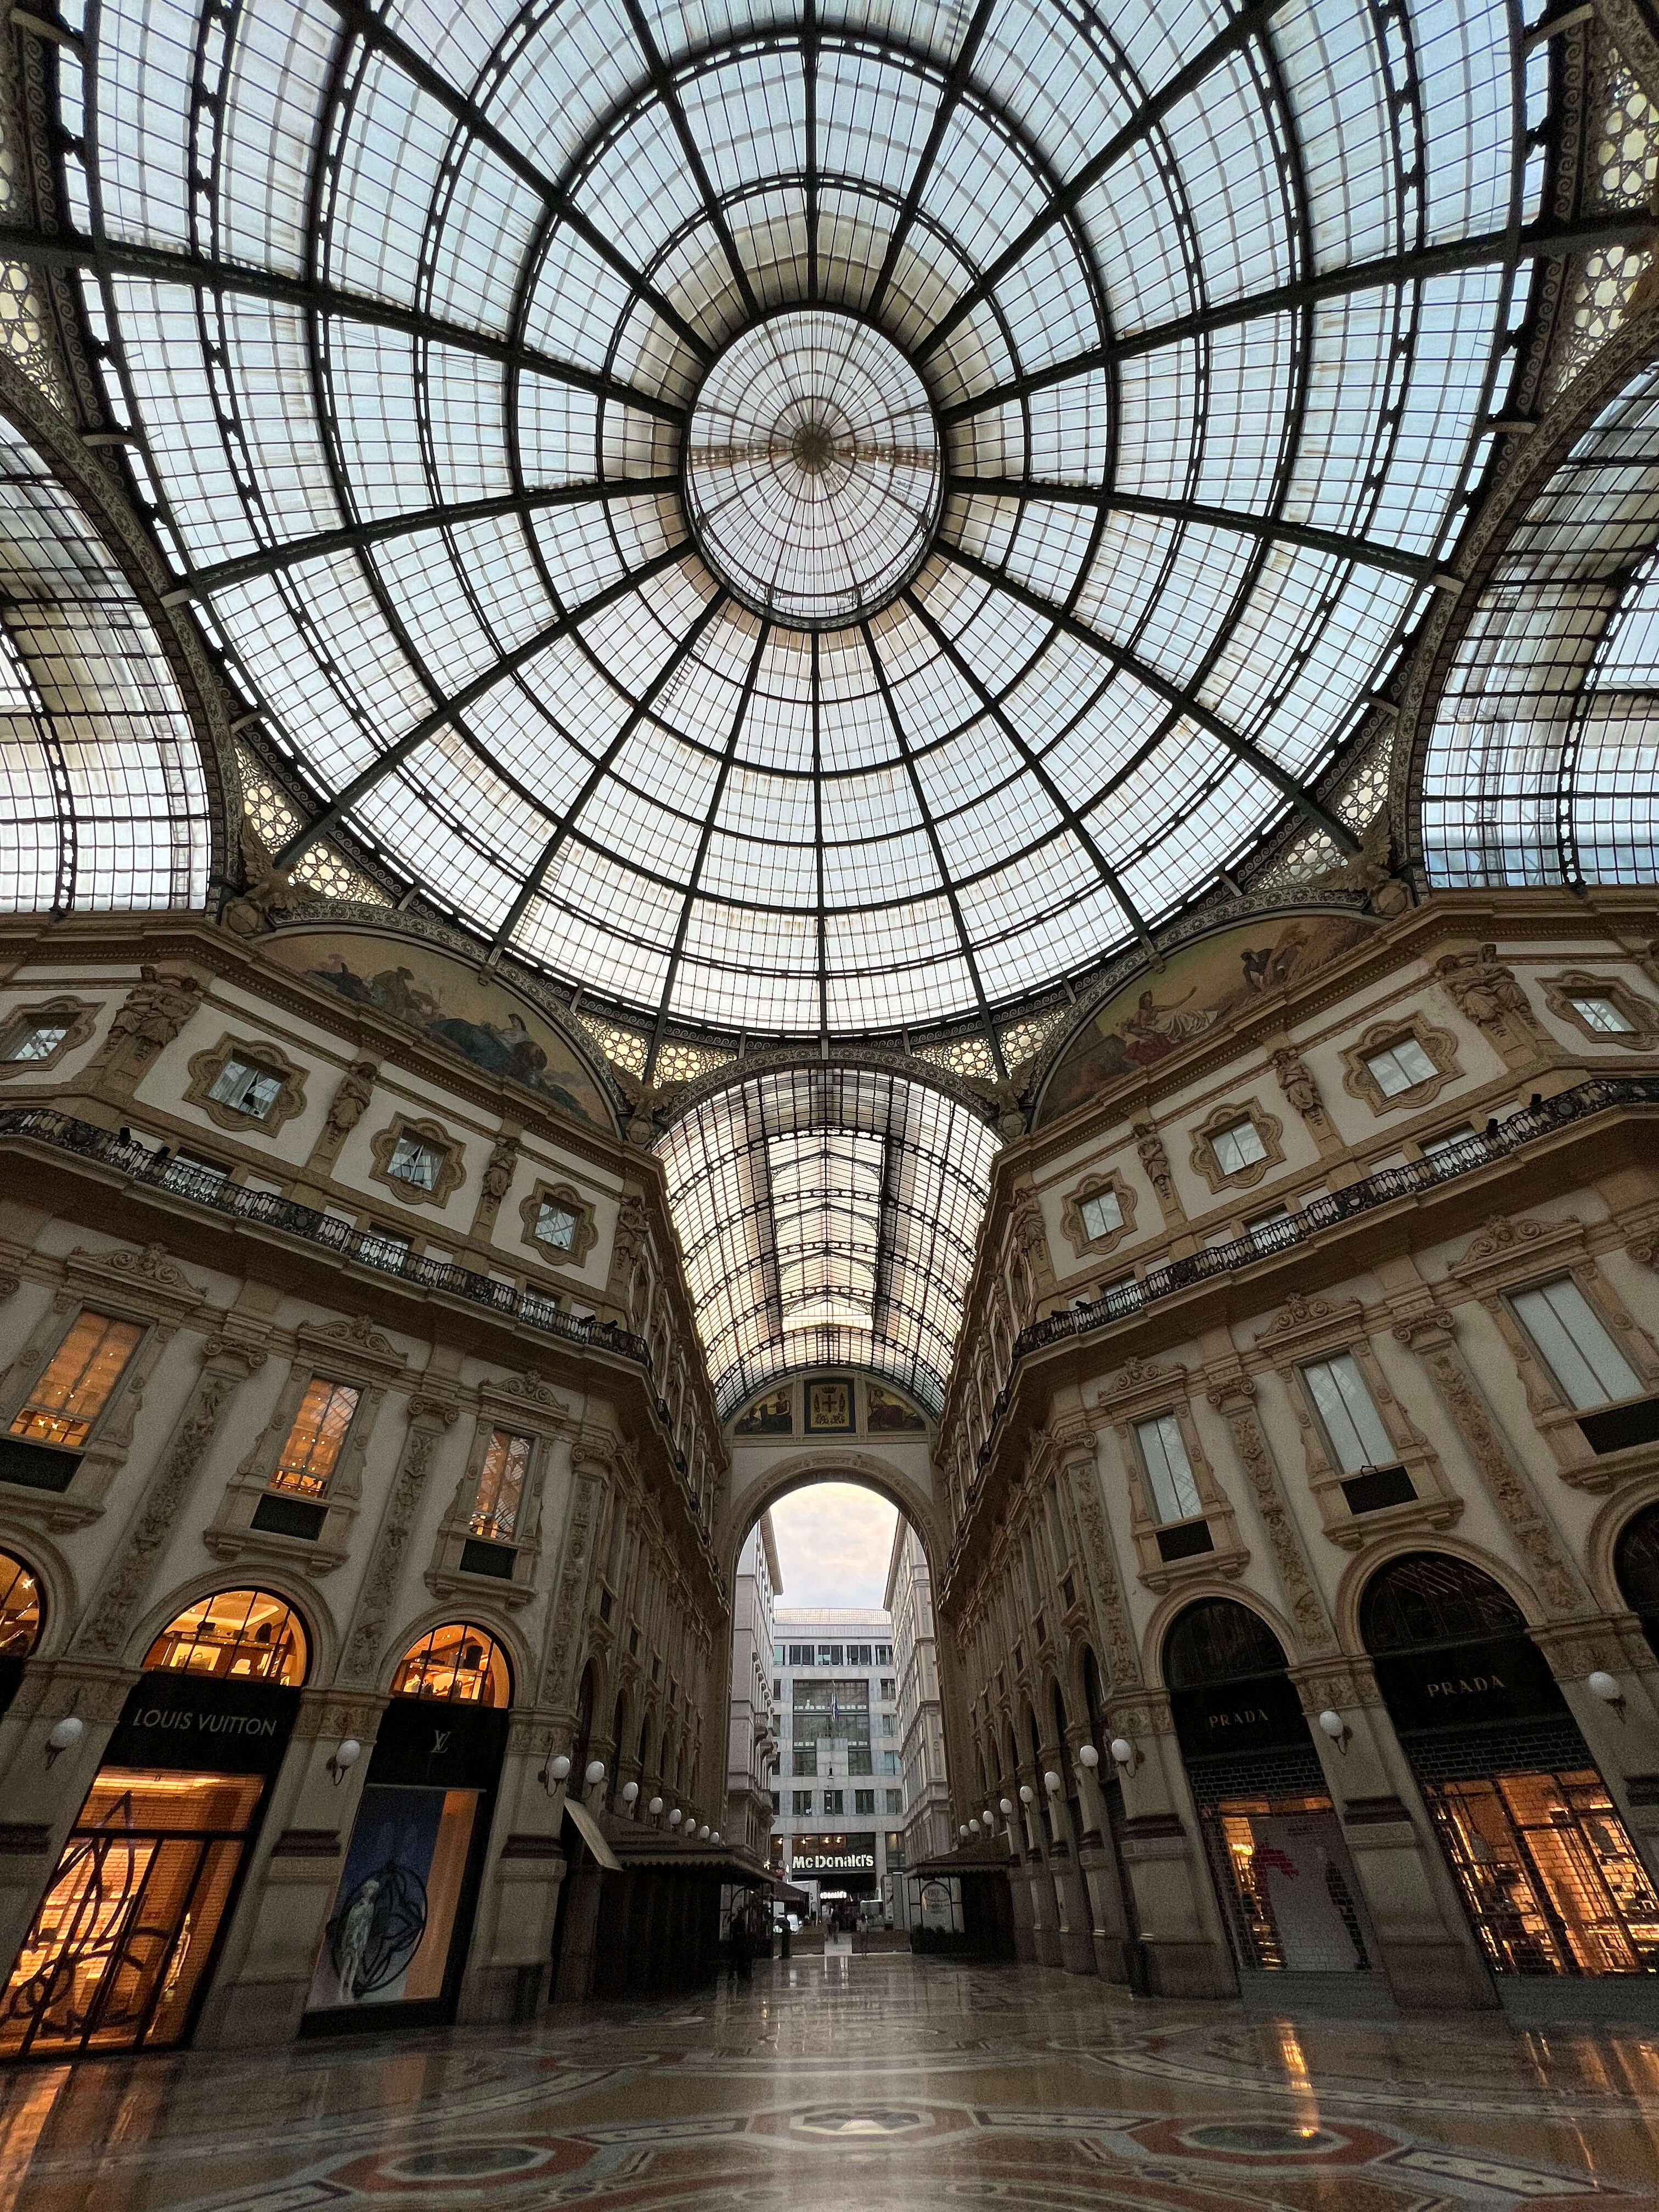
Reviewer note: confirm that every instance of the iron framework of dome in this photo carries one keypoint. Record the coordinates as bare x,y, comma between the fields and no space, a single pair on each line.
815,522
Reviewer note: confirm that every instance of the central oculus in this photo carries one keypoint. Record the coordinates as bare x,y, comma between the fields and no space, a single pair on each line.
812,468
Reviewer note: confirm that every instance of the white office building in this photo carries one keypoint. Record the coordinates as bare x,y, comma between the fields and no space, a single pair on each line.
839,1792
751,1739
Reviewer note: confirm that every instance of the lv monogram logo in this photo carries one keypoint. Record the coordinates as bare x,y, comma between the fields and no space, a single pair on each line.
440,1741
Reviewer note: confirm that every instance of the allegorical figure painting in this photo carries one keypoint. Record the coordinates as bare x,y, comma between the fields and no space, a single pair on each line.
1199,986
770,1416
449,1002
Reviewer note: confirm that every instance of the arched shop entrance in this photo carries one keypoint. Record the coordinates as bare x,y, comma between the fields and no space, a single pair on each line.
1548,1873
395,1944
1289,1896
122,1949
21,1620
1636,1569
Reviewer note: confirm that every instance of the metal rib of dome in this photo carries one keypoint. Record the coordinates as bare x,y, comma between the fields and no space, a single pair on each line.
409,309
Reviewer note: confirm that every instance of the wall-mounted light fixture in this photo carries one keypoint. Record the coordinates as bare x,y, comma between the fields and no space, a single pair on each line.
1027,1794
65,1735
342,1759
554,1774
1088,1756
1051,1783
1124,1754
1608,1688
1337,1729
630,1791
595,1773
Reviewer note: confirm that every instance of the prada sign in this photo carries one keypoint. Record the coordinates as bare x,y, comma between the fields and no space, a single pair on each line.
1262,1713
1502,1678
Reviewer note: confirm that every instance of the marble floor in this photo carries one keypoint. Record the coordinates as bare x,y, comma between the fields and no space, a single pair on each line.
860,2084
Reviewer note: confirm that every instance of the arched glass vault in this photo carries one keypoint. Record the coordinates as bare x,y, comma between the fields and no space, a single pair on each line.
828,1216
1121,373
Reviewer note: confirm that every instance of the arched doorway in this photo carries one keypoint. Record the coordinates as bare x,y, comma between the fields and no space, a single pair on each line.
1290,1899
1636,1569
1548,1875
22,1620
395,1944
122,1949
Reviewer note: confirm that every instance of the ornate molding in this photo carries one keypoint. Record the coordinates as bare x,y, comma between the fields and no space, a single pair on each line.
1234,1399
206,1067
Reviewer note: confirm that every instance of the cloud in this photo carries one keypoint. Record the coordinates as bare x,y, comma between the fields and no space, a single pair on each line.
834,1540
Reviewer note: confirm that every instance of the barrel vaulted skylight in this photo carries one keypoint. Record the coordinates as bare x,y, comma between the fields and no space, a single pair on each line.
803,519
828,1216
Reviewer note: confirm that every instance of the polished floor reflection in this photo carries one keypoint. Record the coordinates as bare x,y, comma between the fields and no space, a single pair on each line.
860,2084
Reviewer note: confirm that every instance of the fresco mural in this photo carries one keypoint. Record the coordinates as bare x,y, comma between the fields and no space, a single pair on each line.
449,1002
771,1416
1201,985
888,1414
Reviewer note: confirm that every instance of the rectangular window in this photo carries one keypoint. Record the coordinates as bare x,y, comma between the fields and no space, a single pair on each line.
501,1487
858,1655
1238,1146
777,1802
889,1688
889,1763
1436,1148
1268,1231
76,1385
859,1760
416,1163
801,1654
1102,1214
863,1801
1348,1414
895,1801
801,1802
555,1225
779,1656
1401,1066
38,1041
313,1449
1602,1014
804,1760
1169,1470
834,1801
883,1655
194,1177
246,1088
1580,1355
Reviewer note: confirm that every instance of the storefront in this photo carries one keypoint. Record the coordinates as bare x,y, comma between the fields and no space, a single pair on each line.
395,1944
844,1867
1289,1896
1548,1873
21,1622
121,1951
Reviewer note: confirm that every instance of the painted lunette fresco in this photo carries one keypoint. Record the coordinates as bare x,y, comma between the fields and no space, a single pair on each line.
449,1003
1209,981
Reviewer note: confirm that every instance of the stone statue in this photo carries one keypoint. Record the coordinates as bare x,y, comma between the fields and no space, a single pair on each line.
1155,1161
351,1102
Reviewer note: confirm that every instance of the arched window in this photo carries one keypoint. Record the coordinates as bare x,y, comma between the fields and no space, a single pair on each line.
459,1663
250,1635
1219,1640
22,1613
1430,1598
1636,1566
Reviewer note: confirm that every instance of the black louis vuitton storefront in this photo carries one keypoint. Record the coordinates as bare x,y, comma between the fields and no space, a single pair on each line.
1288,1894
1548,1875
395,1946
122,1949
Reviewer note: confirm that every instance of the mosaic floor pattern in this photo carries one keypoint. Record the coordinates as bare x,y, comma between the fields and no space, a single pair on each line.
861,2084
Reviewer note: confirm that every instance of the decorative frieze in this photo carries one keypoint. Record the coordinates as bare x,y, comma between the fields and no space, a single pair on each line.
1431,1334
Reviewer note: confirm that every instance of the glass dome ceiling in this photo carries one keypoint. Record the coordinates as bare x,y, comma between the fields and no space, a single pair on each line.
811,519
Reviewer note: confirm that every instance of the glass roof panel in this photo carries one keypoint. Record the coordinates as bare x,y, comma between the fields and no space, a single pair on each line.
828,1216
728,501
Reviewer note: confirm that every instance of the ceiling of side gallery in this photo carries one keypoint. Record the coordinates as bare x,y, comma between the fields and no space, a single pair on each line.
817,520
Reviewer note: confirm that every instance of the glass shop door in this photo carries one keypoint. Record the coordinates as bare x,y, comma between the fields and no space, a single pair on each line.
126,1934
1287,1885
1551,1879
